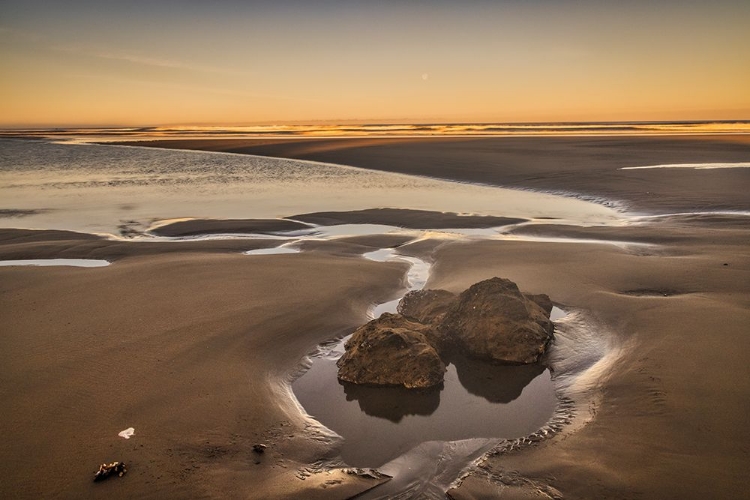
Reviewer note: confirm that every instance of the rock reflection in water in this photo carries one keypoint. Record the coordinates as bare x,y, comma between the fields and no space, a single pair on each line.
380,424
393,403
495,383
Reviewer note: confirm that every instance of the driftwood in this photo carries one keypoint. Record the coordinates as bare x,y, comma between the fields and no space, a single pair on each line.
107,470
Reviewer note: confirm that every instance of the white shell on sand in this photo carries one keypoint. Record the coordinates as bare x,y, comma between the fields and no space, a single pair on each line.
127,433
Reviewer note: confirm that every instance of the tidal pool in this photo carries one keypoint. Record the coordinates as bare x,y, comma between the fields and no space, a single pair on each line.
477,400
56,262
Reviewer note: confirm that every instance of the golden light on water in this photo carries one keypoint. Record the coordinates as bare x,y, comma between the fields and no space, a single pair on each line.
385,131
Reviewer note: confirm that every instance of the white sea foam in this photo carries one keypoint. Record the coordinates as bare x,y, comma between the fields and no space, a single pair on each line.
694,166
56,262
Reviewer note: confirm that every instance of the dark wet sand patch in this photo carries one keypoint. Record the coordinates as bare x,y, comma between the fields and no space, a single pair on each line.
18,212
39,244
716,220
198,227
11,236
653,292
411,219
635,234
663,235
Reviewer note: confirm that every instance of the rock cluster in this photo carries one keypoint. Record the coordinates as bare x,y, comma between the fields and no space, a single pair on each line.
492,321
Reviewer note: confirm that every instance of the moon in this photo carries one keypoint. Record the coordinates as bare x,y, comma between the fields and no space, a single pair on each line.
425,76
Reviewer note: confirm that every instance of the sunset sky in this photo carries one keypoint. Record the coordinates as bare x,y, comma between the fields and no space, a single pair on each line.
234,62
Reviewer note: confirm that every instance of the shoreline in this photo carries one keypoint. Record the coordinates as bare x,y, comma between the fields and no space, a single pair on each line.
582,166
668,424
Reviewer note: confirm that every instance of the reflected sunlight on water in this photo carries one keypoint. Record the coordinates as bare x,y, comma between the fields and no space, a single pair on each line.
95,188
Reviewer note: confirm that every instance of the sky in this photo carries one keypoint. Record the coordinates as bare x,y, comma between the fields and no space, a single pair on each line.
149,63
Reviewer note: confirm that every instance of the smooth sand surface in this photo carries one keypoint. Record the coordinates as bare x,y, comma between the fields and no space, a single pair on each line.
192,350
672,421
192,345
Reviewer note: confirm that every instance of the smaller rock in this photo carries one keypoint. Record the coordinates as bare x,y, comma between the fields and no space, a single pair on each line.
391,351
542,300
107,470
259,448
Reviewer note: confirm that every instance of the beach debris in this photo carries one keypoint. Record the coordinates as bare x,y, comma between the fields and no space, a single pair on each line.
391,351
108,470
259,448
127,433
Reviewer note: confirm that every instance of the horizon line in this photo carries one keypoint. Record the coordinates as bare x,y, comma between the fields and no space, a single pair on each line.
362,123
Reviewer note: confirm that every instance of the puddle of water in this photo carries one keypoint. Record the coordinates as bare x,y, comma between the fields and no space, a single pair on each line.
272,251
694,166
91,188
557,313
416,277
378,424
56,262
476,400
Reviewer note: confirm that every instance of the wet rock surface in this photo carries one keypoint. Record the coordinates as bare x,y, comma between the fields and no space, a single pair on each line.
427,306
542,300
491,321
392,351
494,321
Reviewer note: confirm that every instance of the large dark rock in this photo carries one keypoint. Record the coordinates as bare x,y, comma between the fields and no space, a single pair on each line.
391,351
493,320
427,306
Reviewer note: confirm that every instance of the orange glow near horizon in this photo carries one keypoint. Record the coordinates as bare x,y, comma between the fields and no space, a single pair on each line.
482,62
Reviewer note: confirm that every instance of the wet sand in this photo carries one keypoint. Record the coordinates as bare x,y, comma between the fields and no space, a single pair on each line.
587,166
192,349
192,343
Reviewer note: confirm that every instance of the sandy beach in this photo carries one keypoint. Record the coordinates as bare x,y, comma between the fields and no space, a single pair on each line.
194,344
